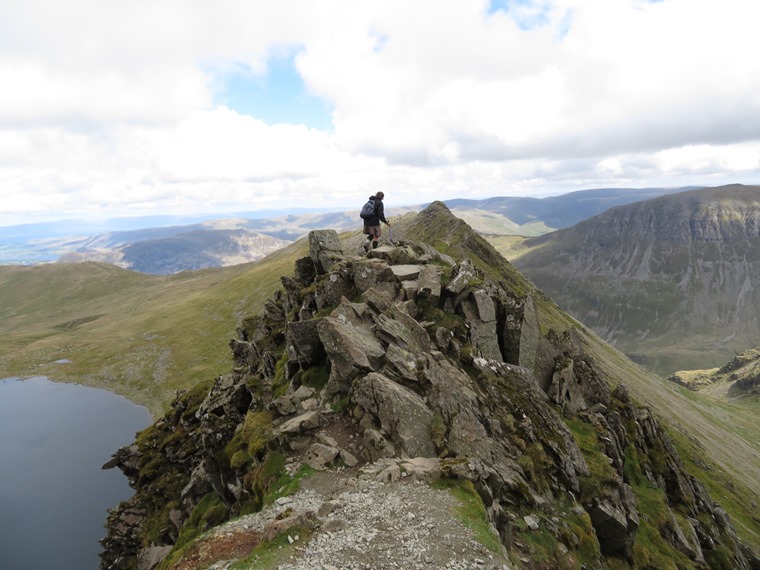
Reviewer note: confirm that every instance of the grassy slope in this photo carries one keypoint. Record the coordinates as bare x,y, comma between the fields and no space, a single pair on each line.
719,440
138,335
704,424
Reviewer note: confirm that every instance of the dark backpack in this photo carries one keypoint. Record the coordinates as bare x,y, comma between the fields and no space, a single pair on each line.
368,210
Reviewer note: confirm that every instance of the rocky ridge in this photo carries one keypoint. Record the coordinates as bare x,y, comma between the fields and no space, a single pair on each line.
409,362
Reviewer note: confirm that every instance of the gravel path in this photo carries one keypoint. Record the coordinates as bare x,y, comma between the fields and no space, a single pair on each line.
367,525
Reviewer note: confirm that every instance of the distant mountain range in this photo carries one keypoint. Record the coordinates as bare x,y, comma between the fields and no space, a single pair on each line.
168,244
674,282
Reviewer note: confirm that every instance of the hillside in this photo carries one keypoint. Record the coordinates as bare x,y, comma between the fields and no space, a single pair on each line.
199,249
674,282
737,380
435,361
138,335
183,243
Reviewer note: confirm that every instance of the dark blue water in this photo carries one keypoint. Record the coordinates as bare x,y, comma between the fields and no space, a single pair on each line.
53,493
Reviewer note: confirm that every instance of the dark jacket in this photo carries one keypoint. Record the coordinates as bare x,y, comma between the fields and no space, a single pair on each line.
379,215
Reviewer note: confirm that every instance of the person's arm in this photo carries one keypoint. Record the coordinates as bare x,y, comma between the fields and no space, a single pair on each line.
381,214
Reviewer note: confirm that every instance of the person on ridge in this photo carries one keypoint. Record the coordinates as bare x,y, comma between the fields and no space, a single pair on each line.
372,224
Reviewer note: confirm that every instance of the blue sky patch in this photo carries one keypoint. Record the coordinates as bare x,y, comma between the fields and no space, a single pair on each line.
528,14
277,96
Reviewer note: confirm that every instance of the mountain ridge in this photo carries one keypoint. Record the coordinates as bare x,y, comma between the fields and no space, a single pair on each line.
494,216
668,280
439,351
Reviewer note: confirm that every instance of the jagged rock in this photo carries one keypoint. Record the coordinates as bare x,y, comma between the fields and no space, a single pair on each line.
531,521
244,354
303,343
353,350
319,456
406,272
402,330
299,424
305,271
480,312
463,274
409,290
371,273
376,445
228,396
429,284
348,458
150,557
401,413
393,394
324,250
379,299
283,406
402,362
303,393
394,255
615,521
334,286
674,534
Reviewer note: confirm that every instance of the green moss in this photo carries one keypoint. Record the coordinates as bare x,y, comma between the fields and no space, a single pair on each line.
438,431
650,550
471,511
602,473
209,512
315,377
285,485
738,501
251,438
535,463
280,384
240,460
339,405
720,559
271,553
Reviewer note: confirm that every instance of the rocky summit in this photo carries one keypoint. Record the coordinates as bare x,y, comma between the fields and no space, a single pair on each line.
410,408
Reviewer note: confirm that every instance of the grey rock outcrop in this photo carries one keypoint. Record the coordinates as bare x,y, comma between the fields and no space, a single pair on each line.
452,377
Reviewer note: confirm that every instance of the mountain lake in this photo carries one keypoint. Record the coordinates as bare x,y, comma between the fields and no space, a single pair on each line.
54,494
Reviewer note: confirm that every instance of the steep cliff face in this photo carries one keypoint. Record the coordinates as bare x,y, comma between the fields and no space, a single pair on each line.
673,280
409,357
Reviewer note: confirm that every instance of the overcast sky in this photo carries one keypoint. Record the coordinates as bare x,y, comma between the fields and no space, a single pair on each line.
114,107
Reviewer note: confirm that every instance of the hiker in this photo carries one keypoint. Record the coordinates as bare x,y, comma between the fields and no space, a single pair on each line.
372,221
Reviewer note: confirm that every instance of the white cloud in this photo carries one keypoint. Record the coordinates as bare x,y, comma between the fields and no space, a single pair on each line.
109,106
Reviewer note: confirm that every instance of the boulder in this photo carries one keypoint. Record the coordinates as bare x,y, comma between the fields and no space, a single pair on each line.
305,271
370,273
402,330
352,351
429,284
324,250
615,521
480,312
406,272
320,456
299,424
463,273
394,255
303,343
228,396
401,412
334,286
